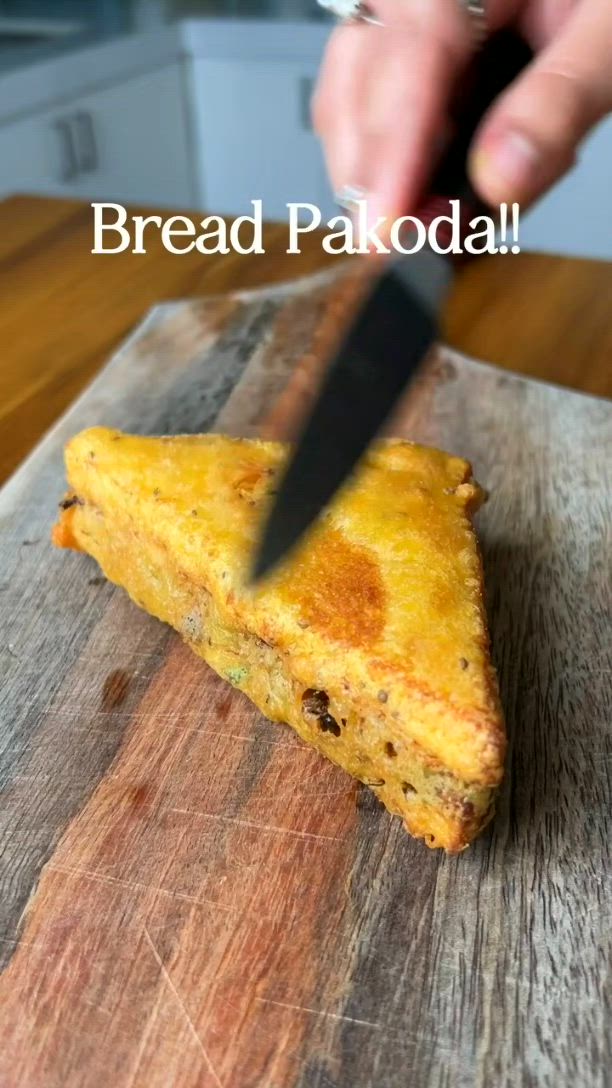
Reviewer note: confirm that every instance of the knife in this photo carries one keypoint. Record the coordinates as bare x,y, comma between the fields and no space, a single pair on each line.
392,332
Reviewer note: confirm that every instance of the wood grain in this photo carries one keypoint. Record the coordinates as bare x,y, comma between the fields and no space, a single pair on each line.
63,310
189,895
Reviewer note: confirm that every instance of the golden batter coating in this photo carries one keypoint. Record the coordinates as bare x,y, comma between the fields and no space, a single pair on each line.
371,640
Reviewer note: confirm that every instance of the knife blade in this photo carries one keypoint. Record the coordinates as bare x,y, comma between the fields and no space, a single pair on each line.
389,337
357,397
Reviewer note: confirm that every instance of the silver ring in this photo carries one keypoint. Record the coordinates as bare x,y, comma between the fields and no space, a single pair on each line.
351,11
358,11
478,16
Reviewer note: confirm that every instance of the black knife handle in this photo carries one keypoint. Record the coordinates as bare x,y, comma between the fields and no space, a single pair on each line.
494,67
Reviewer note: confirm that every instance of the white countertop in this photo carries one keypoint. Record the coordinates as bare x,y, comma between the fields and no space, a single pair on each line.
47,82
254,39
83,66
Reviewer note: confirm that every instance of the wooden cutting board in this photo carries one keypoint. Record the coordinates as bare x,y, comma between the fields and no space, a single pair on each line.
190,897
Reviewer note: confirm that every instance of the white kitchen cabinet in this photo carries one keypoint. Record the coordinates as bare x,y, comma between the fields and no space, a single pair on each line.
127,142
31,157
254,137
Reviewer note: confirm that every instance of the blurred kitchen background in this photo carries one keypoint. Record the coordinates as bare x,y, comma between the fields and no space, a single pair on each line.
204,104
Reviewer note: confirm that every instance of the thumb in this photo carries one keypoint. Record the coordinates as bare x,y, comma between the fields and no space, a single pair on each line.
530,136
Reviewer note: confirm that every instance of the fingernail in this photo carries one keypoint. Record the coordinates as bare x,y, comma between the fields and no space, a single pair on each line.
516,161
348,197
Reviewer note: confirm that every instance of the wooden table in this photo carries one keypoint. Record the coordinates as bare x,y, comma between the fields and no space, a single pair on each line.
63,310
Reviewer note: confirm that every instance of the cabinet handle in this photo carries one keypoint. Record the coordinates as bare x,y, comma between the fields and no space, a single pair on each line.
68,164
305,97
85,142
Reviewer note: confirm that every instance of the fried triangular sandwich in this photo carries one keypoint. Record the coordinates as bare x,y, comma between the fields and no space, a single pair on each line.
371,641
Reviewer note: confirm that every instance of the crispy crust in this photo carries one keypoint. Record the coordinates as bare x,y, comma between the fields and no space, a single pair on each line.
382,613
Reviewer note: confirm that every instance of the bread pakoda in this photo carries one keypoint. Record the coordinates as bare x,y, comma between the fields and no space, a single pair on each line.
371,641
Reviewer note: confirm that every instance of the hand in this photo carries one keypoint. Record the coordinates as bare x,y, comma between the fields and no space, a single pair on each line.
381,99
